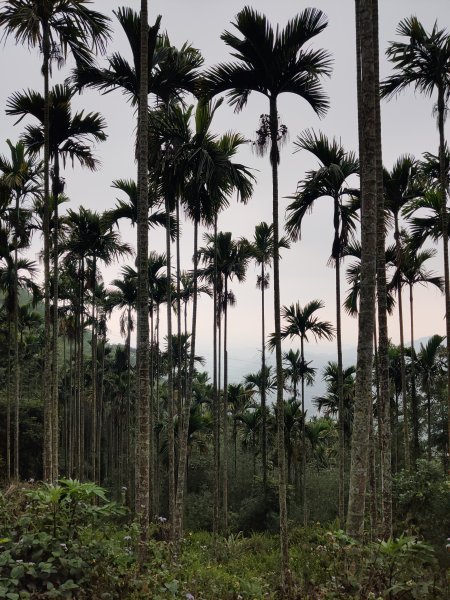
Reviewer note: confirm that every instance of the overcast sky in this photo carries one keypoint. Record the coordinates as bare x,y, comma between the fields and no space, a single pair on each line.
408,127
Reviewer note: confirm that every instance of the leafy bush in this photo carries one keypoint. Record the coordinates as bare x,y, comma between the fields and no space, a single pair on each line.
422,503
50,549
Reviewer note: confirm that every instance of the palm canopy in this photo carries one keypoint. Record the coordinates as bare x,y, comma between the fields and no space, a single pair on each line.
128,209
71,25
329,402
401,184
70,134
296,369
230,256
262,380
330,179
428,226
194,164
302,322
423,61
429,364
272,62
88,237
170,71
353,277
412,270
20,172
262,245
20,274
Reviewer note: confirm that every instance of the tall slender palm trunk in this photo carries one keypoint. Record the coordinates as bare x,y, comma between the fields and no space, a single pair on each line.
443,185
55,282
284,539
366,320
143,483
94,442
47,401
179,358
184,422
170,388
264,386
384,417
402,350
225,414
16,364
414,402
340,381
8,404
216,393
303,475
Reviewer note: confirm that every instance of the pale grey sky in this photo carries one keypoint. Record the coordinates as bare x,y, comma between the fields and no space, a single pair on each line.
408,127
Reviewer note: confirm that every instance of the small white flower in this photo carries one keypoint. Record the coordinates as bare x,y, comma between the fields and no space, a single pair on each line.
162,519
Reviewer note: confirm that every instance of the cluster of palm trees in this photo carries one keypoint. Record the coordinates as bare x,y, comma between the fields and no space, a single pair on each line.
183,166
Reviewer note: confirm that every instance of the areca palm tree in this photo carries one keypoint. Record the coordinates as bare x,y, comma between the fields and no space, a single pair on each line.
411,271
422,61
55,27
336,166
198,168
170,71
271,63
328,404
400,188
19,178
429,367
15,273
128,209
230,258
295,369
89,241
70,137
240,397
262,252
302,322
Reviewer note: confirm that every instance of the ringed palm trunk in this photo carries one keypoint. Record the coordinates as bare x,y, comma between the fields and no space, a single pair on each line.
340,383
305,507
284,540
8,404
444,218
55,394
384,417
170,402
402,349
264,387
184,430
16,365
366,320
94,378
216,394
143,417
414,406
179,372
47,403
429,421
225,413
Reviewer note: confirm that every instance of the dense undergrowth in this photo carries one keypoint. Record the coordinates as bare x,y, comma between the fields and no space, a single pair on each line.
69,541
